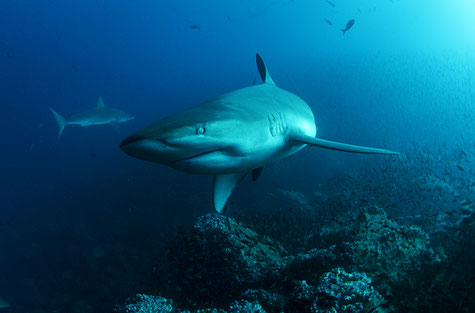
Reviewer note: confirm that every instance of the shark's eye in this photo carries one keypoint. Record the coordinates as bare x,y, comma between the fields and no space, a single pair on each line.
200,130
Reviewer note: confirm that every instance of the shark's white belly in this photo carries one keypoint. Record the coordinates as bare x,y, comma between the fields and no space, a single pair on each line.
219,162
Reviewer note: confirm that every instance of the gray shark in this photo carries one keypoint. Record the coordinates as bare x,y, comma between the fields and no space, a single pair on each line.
4,304
233,134
100,115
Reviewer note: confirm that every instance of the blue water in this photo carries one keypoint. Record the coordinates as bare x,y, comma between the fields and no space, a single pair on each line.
84,220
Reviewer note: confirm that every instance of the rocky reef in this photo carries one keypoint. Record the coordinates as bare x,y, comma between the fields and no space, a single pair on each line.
224,265
216,262
394,236
389,252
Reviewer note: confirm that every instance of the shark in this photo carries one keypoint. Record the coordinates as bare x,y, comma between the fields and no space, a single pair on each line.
99,115
234,134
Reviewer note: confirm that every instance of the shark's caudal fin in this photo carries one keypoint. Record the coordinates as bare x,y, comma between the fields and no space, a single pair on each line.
60,120
312,141
263,72
100,103
223,186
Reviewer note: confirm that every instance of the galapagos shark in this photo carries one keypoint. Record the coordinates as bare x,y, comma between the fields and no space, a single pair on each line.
99,115
232,134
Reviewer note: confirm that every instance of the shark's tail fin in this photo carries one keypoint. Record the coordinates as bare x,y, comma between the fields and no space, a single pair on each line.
60,120
343,31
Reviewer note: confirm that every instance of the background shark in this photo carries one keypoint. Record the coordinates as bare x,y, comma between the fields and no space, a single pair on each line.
232,134
100,115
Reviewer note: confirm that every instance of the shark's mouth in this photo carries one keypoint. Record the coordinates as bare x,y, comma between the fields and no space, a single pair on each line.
194,156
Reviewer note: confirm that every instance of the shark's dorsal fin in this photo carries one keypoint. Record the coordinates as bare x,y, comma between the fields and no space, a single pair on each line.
223,186
100,103
263,70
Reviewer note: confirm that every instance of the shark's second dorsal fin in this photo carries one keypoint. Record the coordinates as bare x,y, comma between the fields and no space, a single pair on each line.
100,103
263,70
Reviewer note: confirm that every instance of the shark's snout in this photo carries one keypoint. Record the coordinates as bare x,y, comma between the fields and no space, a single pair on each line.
168,152
141,147
130,140
150,149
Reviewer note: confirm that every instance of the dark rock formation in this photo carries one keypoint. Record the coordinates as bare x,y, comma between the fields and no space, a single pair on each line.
225,266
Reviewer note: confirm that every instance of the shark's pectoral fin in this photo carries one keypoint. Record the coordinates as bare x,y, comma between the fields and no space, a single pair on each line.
223,186
337,145
256,173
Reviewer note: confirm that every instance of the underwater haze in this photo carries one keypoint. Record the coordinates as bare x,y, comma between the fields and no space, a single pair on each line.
86,228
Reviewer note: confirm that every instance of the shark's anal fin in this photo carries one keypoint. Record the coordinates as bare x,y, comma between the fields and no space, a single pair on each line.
223,186
256,173
263,72
100,103
337,145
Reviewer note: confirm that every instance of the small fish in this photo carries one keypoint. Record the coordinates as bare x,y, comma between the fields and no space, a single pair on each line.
466,202
460,167
195,26
229,18
328,22
348,26
330,3
8,54
75,68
